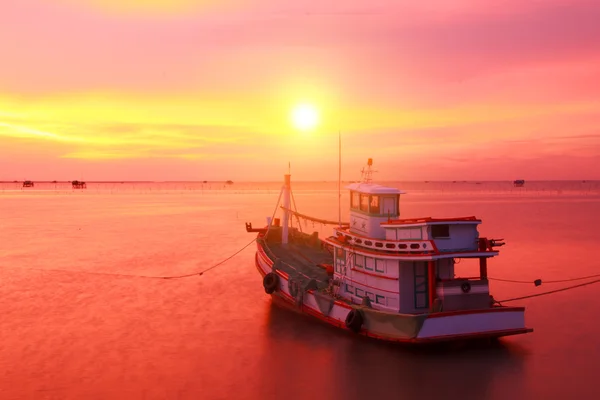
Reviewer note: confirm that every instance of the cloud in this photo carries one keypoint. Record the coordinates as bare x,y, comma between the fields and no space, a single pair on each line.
150,154
245,48
12,130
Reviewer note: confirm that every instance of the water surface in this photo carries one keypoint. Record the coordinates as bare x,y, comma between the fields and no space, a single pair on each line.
80,317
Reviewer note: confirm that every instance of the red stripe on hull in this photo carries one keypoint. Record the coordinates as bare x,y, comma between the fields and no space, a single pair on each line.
373,274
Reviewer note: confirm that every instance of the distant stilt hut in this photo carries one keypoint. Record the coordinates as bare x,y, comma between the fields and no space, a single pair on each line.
28,184
78,185
519,183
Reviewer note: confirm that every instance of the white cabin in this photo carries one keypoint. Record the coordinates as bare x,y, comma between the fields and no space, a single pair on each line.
370,205
406,265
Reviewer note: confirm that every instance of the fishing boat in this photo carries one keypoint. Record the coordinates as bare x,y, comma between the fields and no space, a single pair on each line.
519,182
382,276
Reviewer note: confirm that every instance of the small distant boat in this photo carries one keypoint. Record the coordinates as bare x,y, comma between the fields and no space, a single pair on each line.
518,183
78,185
384,277
229,182
28,184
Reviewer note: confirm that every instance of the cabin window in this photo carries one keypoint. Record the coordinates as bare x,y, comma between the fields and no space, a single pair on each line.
355,200
380,265
349,289
340,254
359,261
440,231
369,263
364,202
360,293
374,207
380,300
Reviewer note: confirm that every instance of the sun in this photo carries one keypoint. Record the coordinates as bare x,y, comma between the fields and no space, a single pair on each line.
305,117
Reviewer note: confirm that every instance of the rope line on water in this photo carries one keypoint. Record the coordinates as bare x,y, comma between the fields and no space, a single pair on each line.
554,281
549,292
199,273
207,269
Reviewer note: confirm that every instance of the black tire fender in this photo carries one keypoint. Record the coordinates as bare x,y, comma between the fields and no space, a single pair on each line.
354,320
271,282
465,287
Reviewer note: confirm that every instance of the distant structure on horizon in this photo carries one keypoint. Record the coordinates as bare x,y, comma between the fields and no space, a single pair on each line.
229,182
518,183
78,185
27,184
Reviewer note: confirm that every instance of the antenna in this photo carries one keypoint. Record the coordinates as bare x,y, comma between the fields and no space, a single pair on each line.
367,173
340,178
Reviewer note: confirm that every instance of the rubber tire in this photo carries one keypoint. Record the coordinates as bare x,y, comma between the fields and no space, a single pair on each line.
465,287
354,320
271,282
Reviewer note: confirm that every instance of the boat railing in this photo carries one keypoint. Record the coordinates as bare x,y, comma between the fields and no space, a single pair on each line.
398,246
461,278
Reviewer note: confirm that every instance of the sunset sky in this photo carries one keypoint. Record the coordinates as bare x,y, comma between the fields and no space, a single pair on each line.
204,89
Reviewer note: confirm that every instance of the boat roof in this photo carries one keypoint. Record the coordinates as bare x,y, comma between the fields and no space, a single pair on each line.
432,221
373,188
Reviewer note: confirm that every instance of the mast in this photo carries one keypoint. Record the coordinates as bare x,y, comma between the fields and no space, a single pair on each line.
286,204
340,178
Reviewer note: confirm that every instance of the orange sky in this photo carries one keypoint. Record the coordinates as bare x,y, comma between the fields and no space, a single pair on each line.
203,89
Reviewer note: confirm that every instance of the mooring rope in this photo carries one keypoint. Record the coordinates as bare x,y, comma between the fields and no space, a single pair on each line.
554,281
207,269
549,292
199,273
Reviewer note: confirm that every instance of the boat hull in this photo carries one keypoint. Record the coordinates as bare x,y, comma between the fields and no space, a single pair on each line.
394,327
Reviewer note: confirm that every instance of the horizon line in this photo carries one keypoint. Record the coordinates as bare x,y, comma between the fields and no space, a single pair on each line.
304,181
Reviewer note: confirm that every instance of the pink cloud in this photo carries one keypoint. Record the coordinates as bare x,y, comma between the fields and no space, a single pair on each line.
430,56
81,50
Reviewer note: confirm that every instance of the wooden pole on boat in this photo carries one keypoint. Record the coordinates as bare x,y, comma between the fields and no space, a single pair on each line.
286,204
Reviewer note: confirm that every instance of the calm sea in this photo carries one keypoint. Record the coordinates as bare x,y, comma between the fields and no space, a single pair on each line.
82,318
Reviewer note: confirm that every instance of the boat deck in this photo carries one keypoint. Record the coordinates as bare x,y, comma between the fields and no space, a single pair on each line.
301,260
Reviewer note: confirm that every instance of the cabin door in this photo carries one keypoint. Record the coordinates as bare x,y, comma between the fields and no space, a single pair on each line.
421,285
388,206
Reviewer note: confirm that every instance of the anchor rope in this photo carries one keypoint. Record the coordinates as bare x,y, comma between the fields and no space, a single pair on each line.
549,292
234,254
209,268
554,281
199,273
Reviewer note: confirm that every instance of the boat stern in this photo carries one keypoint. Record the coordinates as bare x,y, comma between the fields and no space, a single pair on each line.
471,324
